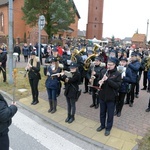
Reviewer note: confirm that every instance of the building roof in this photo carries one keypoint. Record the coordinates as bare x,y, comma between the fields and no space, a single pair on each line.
3,2
81,33
127,39
138,37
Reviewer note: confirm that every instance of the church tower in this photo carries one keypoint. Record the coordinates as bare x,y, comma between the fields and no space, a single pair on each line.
94,26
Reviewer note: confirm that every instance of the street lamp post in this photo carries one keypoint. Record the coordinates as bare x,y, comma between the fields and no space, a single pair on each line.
41,24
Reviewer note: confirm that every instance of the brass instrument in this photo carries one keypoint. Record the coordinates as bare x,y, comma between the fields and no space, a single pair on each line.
82,51
96,47
88,62
74,53
92,70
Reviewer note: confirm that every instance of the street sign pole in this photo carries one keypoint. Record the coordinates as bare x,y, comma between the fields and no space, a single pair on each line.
41,24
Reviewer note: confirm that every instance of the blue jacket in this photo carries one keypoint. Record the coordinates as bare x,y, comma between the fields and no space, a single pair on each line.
134,66
125,81
52,82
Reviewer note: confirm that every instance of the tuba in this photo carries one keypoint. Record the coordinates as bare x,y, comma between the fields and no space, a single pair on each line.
74,54
88,61
96,47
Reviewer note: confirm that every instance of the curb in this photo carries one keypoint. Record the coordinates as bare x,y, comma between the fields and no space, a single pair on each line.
55,124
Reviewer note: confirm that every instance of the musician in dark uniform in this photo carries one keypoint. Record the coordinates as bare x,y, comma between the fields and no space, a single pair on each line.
33,68
3,60
92,75
71,86
109,81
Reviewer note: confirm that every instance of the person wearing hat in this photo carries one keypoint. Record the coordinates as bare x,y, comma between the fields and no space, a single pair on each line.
109,82
126,77
52,84
134,65
3,60
71,86
33,69
92,75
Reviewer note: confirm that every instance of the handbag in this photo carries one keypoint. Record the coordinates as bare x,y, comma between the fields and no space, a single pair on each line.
78,92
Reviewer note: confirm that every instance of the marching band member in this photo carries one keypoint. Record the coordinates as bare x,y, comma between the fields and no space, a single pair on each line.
52,84
71,86
134,65
126,76
33,68
110,81
92,75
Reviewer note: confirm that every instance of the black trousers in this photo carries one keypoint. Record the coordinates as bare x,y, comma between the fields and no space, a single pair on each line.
86,82
120,102
107,114
3,70
94,96
130,95
4,142
34,88
145,79
71,106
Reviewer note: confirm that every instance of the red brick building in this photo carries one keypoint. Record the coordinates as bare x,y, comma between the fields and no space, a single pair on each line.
24,32
95,14
139,40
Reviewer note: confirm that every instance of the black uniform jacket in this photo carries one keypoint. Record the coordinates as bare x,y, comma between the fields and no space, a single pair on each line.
72,86
34,72
109,90
6,113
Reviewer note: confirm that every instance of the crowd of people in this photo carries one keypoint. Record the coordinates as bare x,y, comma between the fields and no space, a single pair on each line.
111,75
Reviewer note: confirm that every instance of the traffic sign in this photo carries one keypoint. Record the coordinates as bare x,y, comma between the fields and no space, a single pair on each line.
41,22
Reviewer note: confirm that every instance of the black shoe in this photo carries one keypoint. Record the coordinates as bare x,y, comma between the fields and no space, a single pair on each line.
143,88
115,113
96,106
53,111
36,102
118,114
71,119
136,95
68,117
107,132
100,129
92,105
131,104
126,102
147,110
50,110
32,102
85,92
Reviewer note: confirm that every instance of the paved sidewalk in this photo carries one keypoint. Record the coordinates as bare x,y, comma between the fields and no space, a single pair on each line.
127,129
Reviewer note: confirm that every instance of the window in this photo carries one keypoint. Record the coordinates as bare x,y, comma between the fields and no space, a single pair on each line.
1,21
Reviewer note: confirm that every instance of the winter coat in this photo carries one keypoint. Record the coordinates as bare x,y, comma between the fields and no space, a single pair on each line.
134,66
72,86
125,81
6,113
3,59
17,50
110,87
52,82
34,72
25,51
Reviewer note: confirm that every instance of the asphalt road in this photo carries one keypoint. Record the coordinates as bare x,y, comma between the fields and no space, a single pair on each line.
29,132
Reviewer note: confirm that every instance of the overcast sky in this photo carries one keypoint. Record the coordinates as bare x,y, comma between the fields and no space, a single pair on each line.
121,18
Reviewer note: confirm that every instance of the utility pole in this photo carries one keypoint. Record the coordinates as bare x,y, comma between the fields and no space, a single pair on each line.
147,31
10,52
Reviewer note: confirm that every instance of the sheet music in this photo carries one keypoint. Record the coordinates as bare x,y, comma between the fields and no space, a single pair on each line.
68,74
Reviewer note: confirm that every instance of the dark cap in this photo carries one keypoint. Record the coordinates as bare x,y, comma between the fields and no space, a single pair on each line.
55,49
113,60
33,53
98,58
54,59
73,65
124,59
133,54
